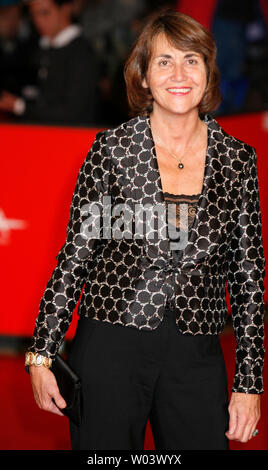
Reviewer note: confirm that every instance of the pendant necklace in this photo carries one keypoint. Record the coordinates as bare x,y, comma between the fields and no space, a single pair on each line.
180,165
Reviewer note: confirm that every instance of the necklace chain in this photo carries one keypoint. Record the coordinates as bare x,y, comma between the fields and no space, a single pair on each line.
180,165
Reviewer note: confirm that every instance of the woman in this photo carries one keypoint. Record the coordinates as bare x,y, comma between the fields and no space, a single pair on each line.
152,308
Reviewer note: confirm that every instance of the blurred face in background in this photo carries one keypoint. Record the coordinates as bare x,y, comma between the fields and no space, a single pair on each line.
49,18
9,21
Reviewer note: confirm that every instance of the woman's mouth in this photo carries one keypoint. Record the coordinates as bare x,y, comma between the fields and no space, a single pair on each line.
179,91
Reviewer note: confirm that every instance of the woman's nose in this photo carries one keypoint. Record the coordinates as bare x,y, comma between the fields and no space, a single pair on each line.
179,72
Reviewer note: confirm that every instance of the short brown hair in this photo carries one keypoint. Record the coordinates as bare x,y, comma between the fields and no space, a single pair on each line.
184,33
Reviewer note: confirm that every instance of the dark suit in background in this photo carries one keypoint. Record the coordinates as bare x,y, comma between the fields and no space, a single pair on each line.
67,83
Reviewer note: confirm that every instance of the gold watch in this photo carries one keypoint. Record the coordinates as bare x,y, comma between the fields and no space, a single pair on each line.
37,359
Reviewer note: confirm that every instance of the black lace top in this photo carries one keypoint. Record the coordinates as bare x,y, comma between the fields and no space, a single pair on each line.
179,224
177,199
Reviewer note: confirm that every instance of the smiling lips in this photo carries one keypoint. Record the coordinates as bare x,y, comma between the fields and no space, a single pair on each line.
179,91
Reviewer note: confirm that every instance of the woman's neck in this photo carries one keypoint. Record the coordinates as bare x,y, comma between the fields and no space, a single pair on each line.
176,131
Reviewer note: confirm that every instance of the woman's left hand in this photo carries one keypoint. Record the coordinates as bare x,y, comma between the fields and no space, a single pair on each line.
245,412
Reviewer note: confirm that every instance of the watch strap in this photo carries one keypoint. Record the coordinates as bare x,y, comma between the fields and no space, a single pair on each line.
37,359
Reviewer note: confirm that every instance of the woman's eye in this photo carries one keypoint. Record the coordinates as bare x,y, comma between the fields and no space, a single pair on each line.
192,61
164,62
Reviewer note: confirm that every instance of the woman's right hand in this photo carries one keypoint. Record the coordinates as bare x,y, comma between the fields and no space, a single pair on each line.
45,388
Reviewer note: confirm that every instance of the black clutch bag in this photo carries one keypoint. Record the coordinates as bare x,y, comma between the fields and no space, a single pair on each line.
70,388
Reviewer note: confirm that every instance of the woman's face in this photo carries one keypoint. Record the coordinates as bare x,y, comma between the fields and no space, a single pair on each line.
177,79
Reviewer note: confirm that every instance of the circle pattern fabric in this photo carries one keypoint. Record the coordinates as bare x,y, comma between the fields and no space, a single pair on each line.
127,281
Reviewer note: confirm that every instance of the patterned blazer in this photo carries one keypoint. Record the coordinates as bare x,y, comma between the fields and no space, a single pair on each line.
125,279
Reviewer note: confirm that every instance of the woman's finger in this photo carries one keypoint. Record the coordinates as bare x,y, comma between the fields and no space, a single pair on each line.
52,407
59,400
45,401
232,423
248,430
240,427
47,404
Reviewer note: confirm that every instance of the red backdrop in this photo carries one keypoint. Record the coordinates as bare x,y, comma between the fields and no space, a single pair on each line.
39,167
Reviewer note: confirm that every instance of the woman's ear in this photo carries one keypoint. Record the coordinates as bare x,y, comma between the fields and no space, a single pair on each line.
144,83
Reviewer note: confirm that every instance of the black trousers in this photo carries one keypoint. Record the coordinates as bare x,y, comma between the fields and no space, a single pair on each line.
177,381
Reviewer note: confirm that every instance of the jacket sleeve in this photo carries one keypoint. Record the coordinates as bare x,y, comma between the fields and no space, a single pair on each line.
66,282
245,281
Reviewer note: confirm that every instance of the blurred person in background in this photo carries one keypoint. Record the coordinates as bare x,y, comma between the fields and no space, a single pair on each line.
111,26
16,44
229,28
67,74
257,59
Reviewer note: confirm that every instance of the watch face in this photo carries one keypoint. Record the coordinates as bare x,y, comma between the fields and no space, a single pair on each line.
39,360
